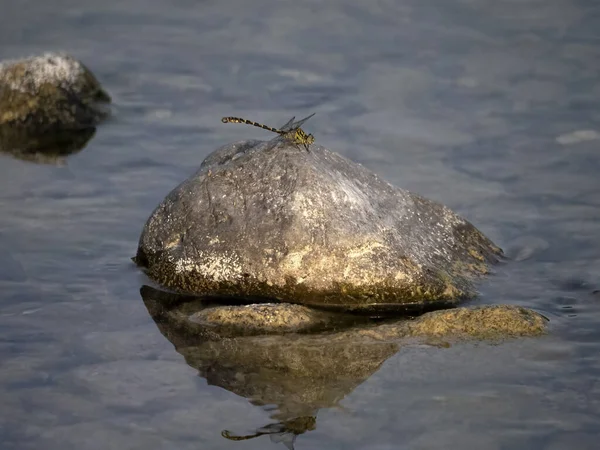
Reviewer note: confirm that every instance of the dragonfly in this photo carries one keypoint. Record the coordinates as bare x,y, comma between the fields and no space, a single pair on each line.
290,131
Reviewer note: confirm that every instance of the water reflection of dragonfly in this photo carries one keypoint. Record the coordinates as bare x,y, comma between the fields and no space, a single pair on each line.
290,131
281,432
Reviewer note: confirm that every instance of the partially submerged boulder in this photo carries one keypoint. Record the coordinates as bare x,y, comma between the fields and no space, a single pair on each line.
269,220
51,91
43,100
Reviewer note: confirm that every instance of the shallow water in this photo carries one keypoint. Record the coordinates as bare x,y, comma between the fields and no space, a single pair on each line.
490,107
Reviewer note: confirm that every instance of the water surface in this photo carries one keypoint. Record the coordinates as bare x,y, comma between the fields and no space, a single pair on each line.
491,107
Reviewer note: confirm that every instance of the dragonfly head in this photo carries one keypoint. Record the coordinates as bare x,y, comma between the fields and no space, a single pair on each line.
301,137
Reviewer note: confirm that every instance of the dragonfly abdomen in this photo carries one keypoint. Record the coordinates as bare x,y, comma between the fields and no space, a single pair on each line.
250,122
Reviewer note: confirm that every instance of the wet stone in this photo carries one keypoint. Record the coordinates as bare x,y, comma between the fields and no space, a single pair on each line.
49,106
49,90
270,220
266,318
474,323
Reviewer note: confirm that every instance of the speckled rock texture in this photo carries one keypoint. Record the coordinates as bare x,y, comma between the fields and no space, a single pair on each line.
271,220
47,105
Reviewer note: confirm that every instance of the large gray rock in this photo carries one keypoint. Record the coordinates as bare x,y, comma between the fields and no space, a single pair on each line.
271,220
49,105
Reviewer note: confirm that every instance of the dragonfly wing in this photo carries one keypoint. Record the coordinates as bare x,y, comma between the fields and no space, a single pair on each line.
288,125
286,439
301,121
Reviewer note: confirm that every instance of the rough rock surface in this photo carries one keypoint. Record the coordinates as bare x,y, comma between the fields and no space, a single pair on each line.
48,93
270,220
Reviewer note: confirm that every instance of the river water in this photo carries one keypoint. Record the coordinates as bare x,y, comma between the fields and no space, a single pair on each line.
491,107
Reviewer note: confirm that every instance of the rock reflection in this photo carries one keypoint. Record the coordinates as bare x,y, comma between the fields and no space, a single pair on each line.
43,148
293,375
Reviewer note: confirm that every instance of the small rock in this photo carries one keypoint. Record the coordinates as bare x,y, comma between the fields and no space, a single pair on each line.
482,322
265,318
49,105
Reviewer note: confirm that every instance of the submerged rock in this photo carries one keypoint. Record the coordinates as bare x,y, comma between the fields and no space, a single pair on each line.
202,319
273,221
489,322
49,106
267,318
208,319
